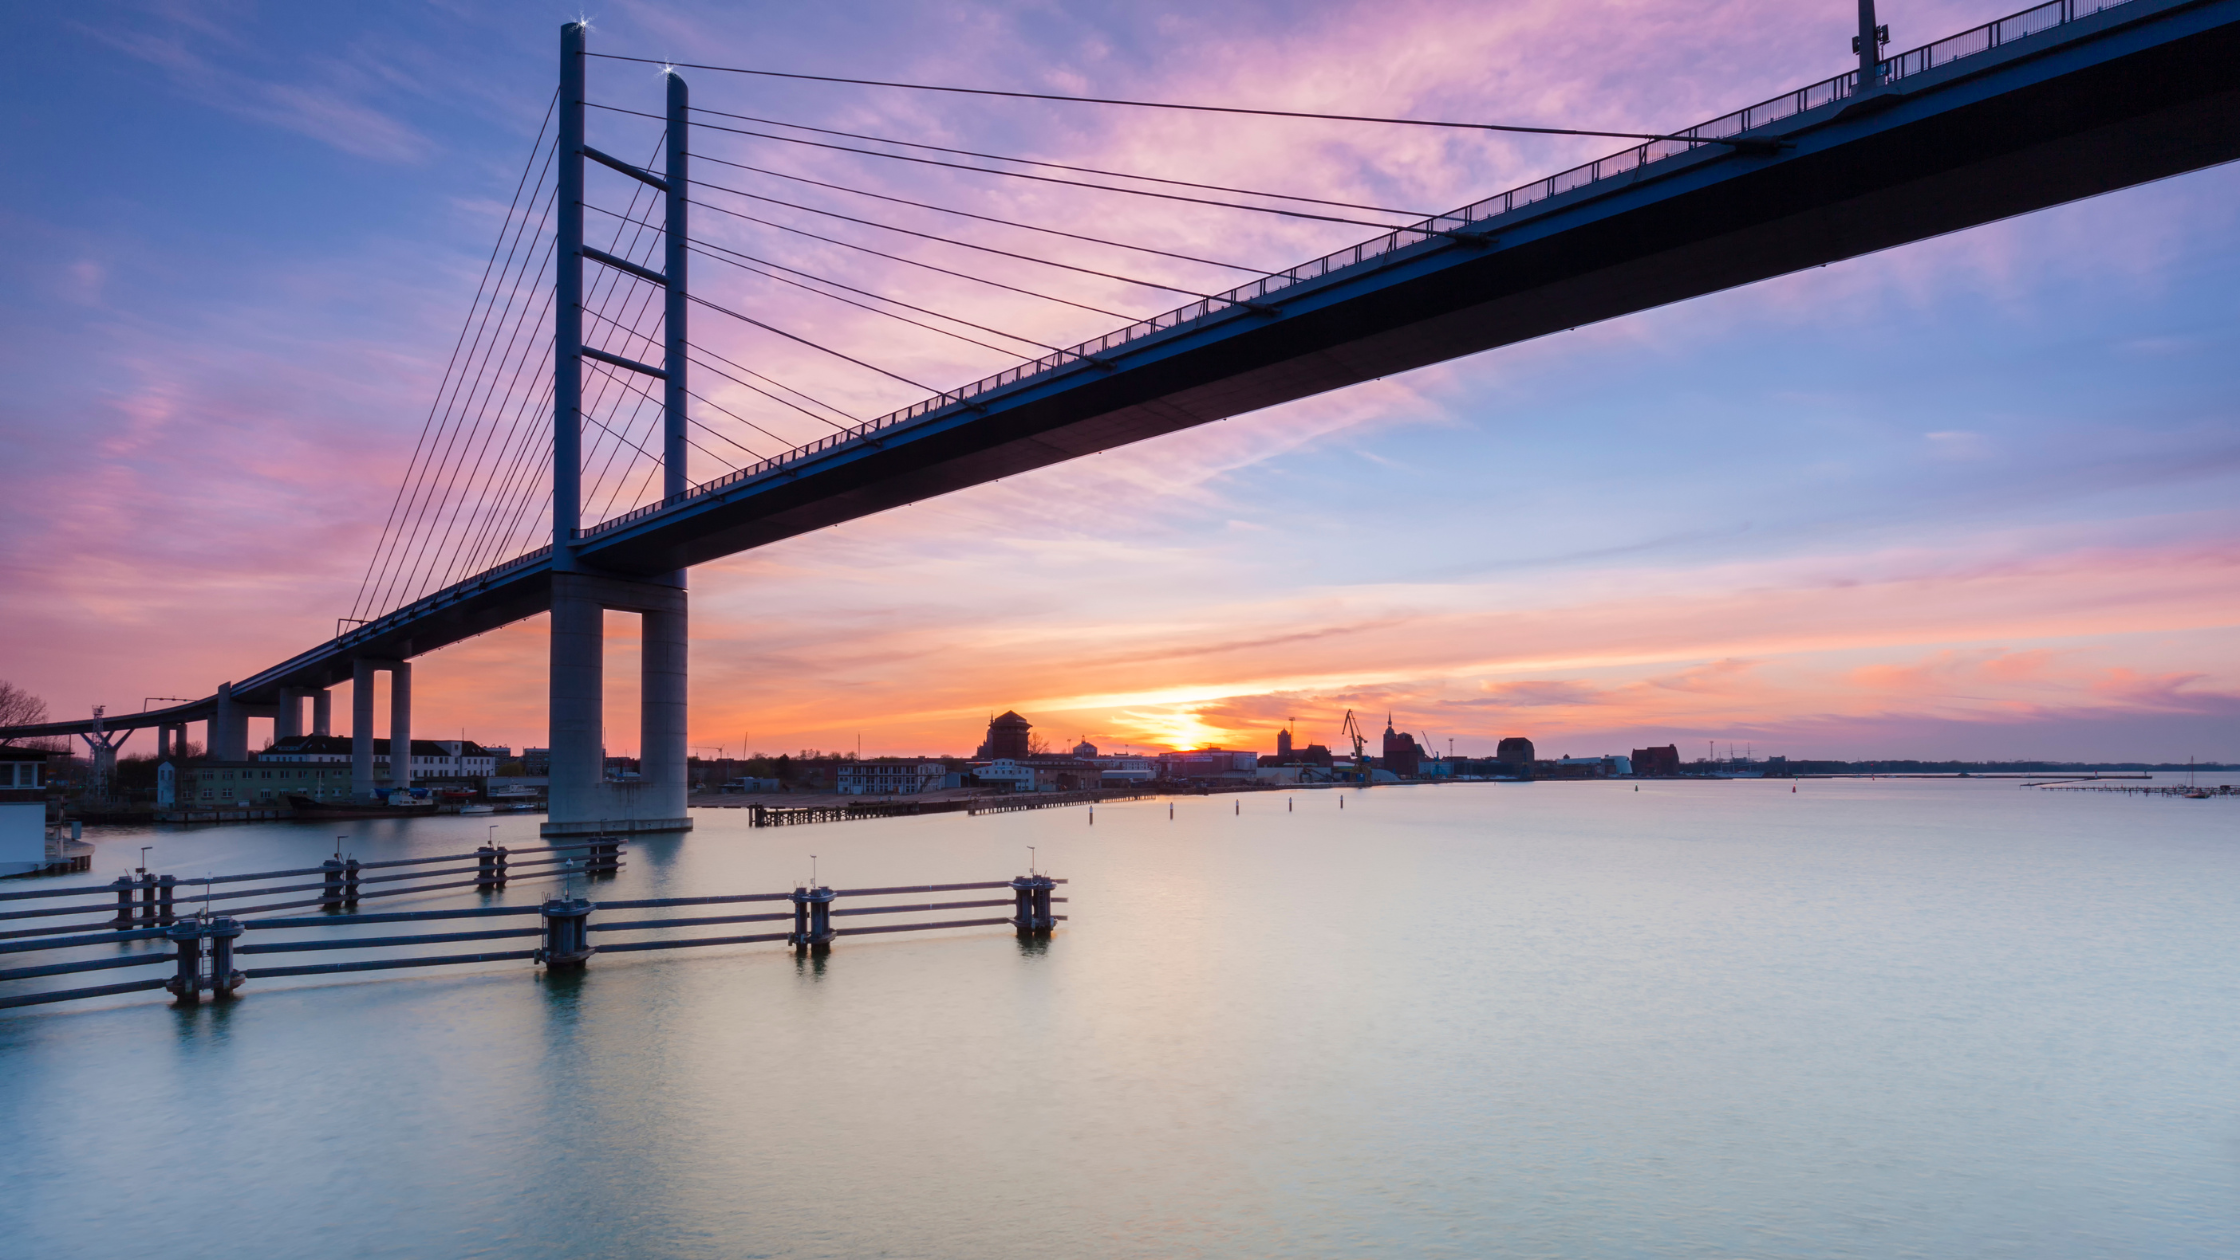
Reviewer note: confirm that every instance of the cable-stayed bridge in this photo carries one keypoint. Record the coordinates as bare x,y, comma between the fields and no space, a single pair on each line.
554,472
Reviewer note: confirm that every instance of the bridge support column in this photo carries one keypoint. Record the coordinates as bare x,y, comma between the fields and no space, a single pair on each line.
322,712
400,724
582,801
577,796
361,729
287,723
662,754
363,782
229,728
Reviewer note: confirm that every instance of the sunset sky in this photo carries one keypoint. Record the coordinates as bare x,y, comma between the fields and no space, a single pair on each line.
1977,497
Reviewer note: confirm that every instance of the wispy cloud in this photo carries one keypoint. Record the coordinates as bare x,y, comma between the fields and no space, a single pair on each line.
329,106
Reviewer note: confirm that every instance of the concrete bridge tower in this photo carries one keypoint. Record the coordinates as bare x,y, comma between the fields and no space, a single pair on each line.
582,800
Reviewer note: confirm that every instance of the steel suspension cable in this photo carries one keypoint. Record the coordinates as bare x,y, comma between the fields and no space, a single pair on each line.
704,249
455,460
420,503
961,275
437,477
985,249
535,148
1061,166
984,218
635,388
518,393
718,406
498,501
766,394
1168,105
1053,179
776,384
504,525
526,475
644,295
861,306
748,319
498,480
436,472
726,410
608,372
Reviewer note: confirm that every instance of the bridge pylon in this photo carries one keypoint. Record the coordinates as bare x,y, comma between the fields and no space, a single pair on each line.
582,800
102,744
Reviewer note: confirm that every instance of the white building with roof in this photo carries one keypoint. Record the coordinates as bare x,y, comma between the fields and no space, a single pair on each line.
23,811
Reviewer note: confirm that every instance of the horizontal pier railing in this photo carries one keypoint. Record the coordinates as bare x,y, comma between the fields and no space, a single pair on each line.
201,943
148,900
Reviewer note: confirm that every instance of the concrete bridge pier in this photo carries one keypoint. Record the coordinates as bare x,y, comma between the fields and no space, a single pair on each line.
287,721
229,727
362,782
400,724
582,801
322,712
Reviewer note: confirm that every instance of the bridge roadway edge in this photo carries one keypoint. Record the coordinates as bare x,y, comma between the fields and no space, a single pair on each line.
1943,157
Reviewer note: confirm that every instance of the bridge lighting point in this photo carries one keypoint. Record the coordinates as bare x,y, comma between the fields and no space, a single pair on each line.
1868,45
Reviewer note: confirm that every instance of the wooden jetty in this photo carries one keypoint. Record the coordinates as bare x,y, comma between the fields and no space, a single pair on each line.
2180,790
797,815
214,950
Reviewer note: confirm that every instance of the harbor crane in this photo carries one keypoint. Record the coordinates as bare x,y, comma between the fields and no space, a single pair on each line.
1352,730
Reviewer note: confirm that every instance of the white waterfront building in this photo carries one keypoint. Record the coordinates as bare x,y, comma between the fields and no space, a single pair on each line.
889,778
23,811
431,758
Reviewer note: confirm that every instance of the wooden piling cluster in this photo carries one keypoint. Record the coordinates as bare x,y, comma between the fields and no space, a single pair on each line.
208,956
204,952
1031,895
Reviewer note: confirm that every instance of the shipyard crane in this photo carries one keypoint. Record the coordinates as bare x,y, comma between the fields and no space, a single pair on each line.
1352,730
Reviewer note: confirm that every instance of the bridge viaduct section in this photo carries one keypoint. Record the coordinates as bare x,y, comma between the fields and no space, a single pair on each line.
2093,102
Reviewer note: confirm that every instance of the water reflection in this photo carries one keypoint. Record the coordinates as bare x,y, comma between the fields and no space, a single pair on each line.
1696,1020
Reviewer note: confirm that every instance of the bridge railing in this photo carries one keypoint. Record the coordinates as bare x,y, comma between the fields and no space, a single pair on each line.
1626,162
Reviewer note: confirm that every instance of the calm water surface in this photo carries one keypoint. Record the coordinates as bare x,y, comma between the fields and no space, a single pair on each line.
1879,1019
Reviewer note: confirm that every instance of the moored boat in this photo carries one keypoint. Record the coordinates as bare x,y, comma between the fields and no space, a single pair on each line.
305,807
